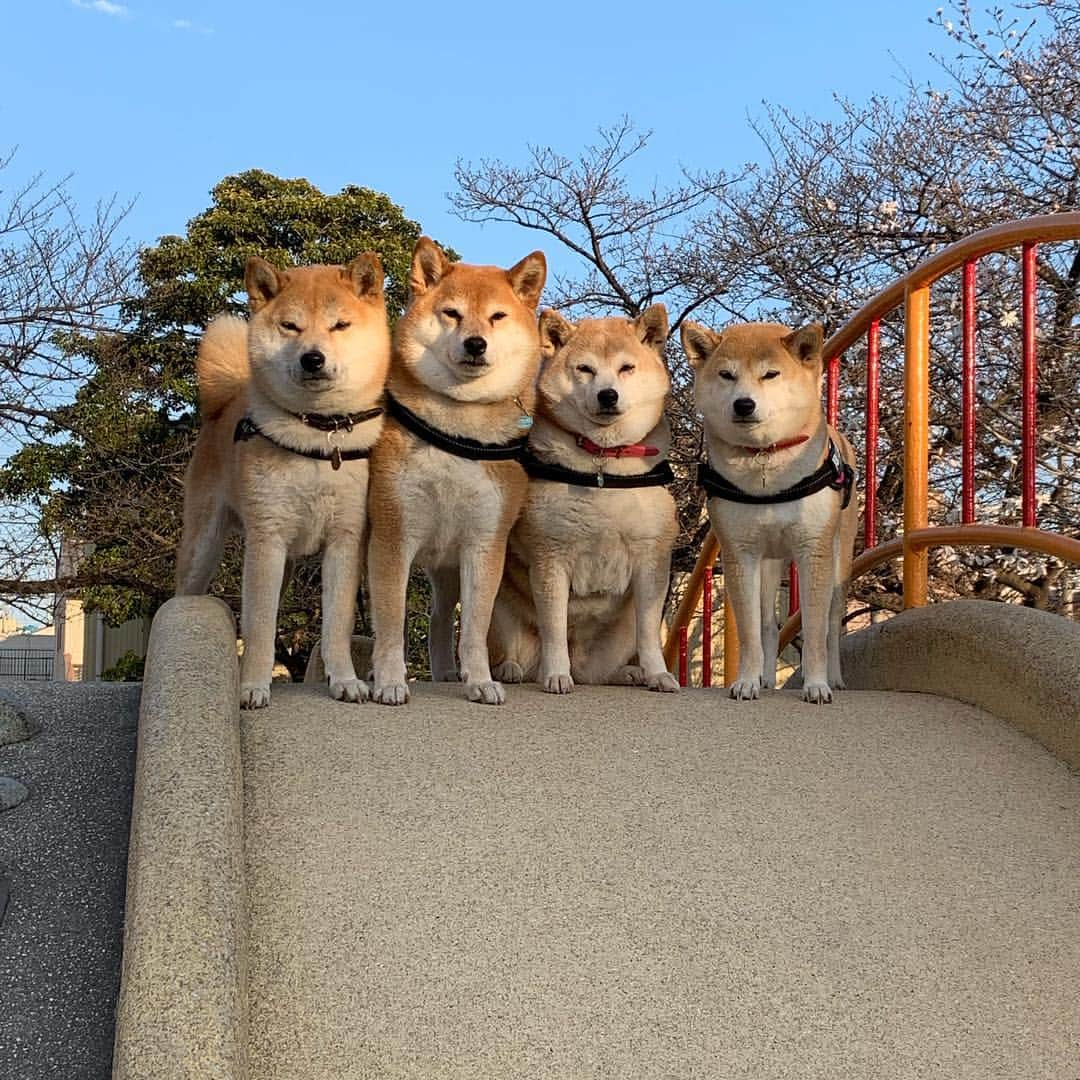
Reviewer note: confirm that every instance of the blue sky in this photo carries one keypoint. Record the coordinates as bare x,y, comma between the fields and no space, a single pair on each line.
156,101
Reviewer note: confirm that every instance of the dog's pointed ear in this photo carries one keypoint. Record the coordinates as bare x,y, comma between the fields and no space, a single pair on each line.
698,342
261,281
365,275
805,344
651,327
429,266
555,331
527,278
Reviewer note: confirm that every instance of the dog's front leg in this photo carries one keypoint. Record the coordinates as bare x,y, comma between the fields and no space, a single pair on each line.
264,569
816,584
388,581
742,580
550,582
771,572
650,583
481,572
340,580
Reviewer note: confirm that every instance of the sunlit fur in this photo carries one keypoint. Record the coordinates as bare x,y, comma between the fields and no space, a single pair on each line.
779,372
587,569
287,505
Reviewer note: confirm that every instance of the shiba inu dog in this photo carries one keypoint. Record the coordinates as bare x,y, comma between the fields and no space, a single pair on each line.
446,485
589,559
290,404
780,485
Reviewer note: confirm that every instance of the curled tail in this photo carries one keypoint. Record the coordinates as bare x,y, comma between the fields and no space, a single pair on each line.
222,364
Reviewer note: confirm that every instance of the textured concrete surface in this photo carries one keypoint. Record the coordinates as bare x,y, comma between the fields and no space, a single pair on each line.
62,859
619,884
1018,663
183,996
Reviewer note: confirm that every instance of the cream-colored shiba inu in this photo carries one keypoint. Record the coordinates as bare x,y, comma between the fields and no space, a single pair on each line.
780,485
589,559
290,404
446,485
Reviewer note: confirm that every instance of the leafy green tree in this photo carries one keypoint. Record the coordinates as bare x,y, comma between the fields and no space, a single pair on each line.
110,472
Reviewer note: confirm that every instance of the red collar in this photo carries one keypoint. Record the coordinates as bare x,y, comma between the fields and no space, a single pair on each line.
786,444
632,450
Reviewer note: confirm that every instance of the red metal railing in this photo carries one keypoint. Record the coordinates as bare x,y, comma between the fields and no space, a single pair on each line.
913,293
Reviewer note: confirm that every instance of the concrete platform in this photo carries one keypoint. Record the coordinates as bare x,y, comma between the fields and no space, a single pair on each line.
619,884
609,884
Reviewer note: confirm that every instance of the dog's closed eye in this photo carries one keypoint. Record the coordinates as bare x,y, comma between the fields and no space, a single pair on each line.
770,374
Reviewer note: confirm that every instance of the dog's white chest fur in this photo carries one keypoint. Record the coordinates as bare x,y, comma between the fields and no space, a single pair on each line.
774,531
303,501
600,535
461,498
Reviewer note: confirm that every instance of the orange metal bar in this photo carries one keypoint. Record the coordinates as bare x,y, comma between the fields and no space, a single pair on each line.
1047,543
916,436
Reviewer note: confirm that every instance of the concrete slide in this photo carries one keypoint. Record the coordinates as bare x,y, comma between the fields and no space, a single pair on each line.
608,884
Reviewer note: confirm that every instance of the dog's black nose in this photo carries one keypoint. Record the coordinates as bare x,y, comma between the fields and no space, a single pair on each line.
744,406
475,346
313,361
607,398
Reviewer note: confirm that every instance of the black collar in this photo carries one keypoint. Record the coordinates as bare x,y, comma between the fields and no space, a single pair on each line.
337,421
457,445
247,429
657,476
835,473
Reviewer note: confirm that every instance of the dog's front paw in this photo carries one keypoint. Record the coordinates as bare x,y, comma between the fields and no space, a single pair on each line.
254,695
349,690
485,693
391,694
664,681
630,675
817,693
508,671
558,684
746,689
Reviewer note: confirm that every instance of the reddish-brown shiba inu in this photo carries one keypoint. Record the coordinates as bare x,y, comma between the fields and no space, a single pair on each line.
290,409
780,485
446,485
589,559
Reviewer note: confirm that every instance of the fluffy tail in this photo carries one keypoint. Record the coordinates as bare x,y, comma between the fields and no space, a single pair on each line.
222,364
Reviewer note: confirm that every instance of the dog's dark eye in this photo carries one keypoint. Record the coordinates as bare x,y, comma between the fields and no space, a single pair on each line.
290,326
729,375
626,369
341,324
586,370
452,313
770,374
497,315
